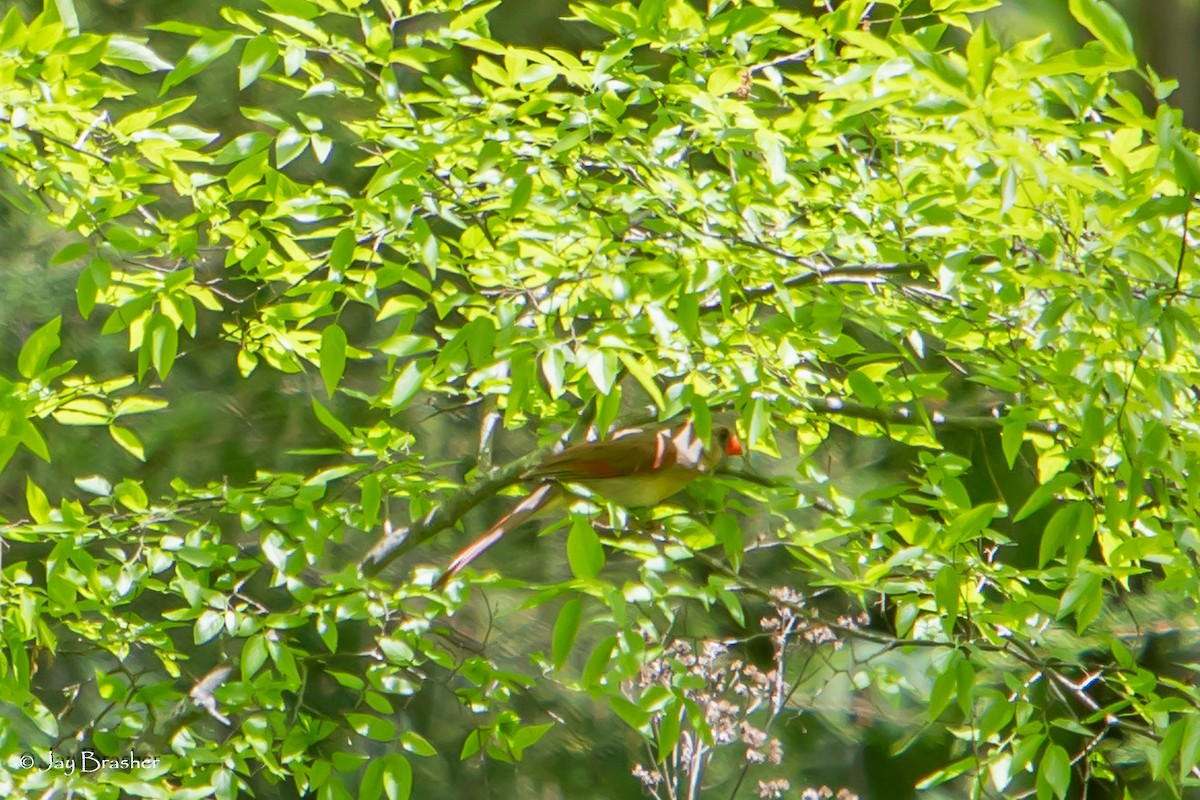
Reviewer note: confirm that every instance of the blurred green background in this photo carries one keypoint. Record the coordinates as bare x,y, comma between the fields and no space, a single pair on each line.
260,422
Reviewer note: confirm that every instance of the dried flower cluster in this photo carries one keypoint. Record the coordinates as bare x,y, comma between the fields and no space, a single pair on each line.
787,621
773,789
648,779
825,793
730,692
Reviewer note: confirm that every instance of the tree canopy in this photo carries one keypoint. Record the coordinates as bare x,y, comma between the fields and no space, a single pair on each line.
333,274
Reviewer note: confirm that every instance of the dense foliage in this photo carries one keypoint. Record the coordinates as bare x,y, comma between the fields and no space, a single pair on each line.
945,285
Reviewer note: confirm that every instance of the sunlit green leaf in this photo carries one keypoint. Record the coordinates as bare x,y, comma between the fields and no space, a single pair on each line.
565,629
1103,21
41,344
332,356
260,53
584,552
202,53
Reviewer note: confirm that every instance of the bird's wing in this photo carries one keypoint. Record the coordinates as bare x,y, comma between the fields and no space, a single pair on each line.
633,454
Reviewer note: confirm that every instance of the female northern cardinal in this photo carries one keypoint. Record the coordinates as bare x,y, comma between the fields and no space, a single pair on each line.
636,467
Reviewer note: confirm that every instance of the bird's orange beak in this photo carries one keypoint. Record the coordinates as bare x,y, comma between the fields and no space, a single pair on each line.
734,446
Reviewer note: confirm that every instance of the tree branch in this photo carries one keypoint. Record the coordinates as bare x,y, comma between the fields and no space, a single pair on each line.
907,416
394,543
446,515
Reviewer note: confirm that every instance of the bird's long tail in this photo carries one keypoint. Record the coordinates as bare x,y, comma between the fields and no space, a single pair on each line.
537,500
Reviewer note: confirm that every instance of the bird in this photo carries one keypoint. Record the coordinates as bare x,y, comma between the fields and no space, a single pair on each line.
634,467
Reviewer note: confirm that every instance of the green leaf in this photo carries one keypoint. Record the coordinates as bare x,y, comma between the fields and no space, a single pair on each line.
290,144
372,727
331,422
1189,749
649,14
300,9
963,6
414,742
162,339
521,193
565,629
943,689
969,524
734,606
1055,770
1166,749
1045,493
982,51
70,252
724,80
242,147
906,617
59,586
630,713
247,173
132,54
701,417
128,441
208,625
130,494
945,592
480,336
669,730
602,368
64,11
205,51
95,484
1012,436
36,352
1187,167
257,57
612,19
371,785
553,363
964,685
332,356
36,502
473,743
86,292
1071,526
138,404
84,411
254,655
530,735
408,383
1084,595
127,313
34,442
863,388
341,252
728,530
644,376
960,767
1106,24
585,554
598,662
372,497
